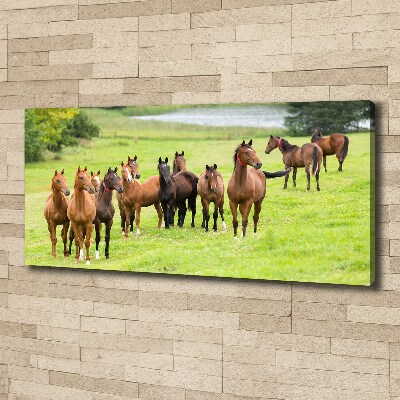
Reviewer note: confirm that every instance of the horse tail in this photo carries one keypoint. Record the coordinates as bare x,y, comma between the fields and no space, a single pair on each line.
192,198
345,148
314,159
270,175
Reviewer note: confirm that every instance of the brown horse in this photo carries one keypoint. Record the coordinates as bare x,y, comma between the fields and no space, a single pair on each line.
96,180
247,186
132,162
55,211
137,195
179,163
297,157
105,209
211,190
81,212
337,144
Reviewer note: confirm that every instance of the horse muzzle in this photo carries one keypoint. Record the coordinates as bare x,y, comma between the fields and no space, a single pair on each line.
267,151
257,165
91,190
67,192
121,190
137,176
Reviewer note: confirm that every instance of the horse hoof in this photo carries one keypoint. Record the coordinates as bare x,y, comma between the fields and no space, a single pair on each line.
88,262
137,232
76,261
97,255
235,237
224,225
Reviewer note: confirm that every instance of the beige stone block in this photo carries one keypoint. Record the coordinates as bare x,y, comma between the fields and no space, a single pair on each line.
165,53
175,332
163,299
101,86
374,315
187,68
239,305
172,84
209,351
164,22
58,364
327,9
12,102
116,280
242,16
11,357
375,40
250,388
28,374
95,55
255,3
189,317
120,311
236,337
372,7
126,343
11,216
196,98
47,43
155,392
264,64
241,49
26,59
183,6
28,30
112,387
335,77
188,36
56,100
125,9
115,39
12,116
359,92
63,335
15,329
103,325
198,365
103,371
35,88
24,4
265,323
184,379
360,348
124,100
249,355
37,15
4,275
115,70
266,32
50,72
320,311
245,81
321,43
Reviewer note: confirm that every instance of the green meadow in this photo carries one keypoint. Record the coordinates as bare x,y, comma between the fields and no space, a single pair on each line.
309,237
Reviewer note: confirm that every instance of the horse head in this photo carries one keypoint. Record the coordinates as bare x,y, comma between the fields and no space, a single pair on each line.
273,143
126,173
132,162
60,183
82,181
245,155
112,181
211,177
164,170
316,134
95,179
180,162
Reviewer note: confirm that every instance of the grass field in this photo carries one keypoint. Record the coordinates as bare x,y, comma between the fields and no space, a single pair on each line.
310,237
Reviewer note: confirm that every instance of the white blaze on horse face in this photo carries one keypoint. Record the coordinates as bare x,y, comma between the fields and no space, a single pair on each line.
129,175
98,180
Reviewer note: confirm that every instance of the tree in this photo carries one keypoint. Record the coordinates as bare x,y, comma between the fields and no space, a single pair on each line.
338,116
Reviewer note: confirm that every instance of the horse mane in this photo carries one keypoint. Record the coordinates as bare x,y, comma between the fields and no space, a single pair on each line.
286,146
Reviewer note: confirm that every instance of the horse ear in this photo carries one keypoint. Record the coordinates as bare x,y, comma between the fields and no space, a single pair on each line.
115,169
160,161
176,154
55,172
109,170
166,160
271,136
62,172
122,163
215,166
183,153
251,142
207,167
85,168
243,143
135,158
129,158
91,173
98,172
79,169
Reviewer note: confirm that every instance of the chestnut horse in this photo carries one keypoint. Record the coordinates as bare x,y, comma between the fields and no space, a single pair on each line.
55,211
132,162
211,190
337,144
179,163
297,157
96,180
81,212
137,195
174,191
247,186
105,208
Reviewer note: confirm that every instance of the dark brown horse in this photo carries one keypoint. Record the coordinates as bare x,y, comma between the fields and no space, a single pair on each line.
179,163
132,162
81,212
247,185
337,144
211,190
55,211
137,195
297,157
174,191
105,209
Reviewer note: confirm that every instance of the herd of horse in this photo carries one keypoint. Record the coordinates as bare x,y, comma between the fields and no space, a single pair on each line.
91,204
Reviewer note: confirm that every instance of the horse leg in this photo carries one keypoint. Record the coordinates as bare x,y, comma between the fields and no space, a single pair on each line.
172,217
181,213
138,207
317,179
235,224
324,161
245,211
215,216
193,208
97,227
307,168
64,234
77,234
53,237
256,217
206,213
294,176
127,220
286,180
108,236
171,212
157,206
89,230
131,220
123,217
221,213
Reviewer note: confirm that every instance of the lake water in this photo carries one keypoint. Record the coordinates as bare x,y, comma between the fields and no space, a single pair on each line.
258,116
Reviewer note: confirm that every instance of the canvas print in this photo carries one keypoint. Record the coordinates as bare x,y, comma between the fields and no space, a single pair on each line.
256,191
